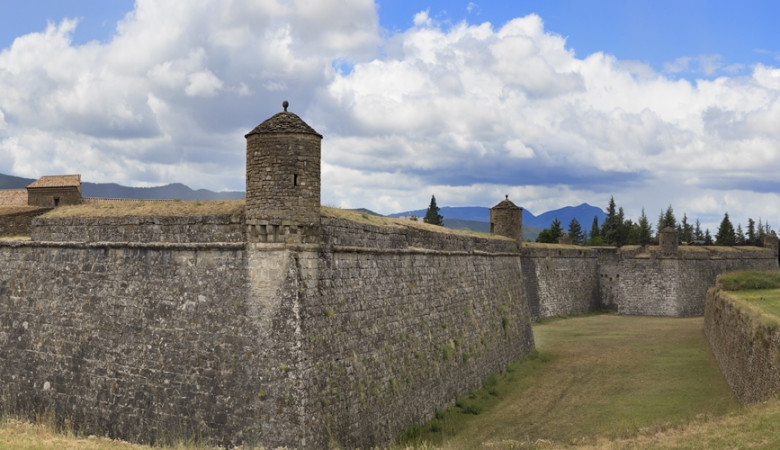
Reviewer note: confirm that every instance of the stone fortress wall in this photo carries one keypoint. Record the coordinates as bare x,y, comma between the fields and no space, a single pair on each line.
745,347
247,329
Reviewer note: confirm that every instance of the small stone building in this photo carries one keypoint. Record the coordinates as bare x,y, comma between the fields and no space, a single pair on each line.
55,190
506,219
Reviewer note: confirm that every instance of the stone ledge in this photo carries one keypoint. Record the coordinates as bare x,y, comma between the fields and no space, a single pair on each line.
144,245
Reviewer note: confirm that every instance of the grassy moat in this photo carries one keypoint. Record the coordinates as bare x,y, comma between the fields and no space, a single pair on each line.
601,381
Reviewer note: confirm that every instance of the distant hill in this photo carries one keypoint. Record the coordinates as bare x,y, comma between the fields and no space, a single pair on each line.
584,214
169,191
113,190
461,217
12,182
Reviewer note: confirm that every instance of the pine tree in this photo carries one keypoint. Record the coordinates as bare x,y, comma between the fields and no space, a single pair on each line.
725,234
751,232
740,235
594,229
666,219
595,235
686,230
552,234
575,232
707,237
432,216
610,229
644,232
697,233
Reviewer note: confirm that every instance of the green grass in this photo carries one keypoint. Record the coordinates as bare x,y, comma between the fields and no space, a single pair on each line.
767,300
593,378
757,294
750,279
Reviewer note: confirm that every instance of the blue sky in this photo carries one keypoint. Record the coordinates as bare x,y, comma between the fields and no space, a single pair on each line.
552,102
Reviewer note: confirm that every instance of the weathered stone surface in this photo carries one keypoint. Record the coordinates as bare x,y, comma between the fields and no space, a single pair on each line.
561,281
141,229
393,334
17,222
283,181
657,283
140,343
746,349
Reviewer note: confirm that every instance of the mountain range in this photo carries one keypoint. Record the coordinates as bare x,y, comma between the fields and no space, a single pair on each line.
113,190
584,214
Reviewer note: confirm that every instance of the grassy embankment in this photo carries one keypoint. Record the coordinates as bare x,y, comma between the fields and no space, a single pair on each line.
757,293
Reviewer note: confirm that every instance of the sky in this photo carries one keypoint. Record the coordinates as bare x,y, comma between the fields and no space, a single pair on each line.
554,103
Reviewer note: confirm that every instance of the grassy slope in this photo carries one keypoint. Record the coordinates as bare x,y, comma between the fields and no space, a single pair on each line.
595,378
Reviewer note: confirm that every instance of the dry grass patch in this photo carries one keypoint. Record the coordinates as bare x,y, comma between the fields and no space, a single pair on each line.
6,210
594,378
165,208
382,221
19,435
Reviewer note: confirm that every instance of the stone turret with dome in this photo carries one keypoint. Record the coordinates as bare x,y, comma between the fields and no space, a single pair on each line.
506,219
283,181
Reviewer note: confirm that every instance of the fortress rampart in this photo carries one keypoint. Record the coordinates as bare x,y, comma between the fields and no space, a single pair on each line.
284,326
746,348
188,229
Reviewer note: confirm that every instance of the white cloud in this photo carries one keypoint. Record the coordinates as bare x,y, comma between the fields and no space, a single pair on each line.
469,113
203,84
422,19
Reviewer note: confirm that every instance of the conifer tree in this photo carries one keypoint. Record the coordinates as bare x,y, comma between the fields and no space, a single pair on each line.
432,216
686,230
552,234
666,219
725,234
594,229
575,232
644,232
697,233
740,235
751,232
610,229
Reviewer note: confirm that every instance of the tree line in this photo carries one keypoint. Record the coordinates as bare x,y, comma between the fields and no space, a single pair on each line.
617,230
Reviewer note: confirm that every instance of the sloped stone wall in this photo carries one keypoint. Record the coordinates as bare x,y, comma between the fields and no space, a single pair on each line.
17,222
395,333
654,284
746,349
560,280
223,228
141,342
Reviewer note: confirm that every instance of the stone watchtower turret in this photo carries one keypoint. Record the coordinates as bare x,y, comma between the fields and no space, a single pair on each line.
667,240
283,181
506,219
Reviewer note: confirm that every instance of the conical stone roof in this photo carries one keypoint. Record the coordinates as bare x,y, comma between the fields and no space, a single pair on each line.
284,122
506,204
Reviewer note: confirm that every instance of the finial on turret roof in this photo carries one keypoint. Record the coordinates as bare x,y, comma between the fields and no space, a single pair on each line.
507,196
285,104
